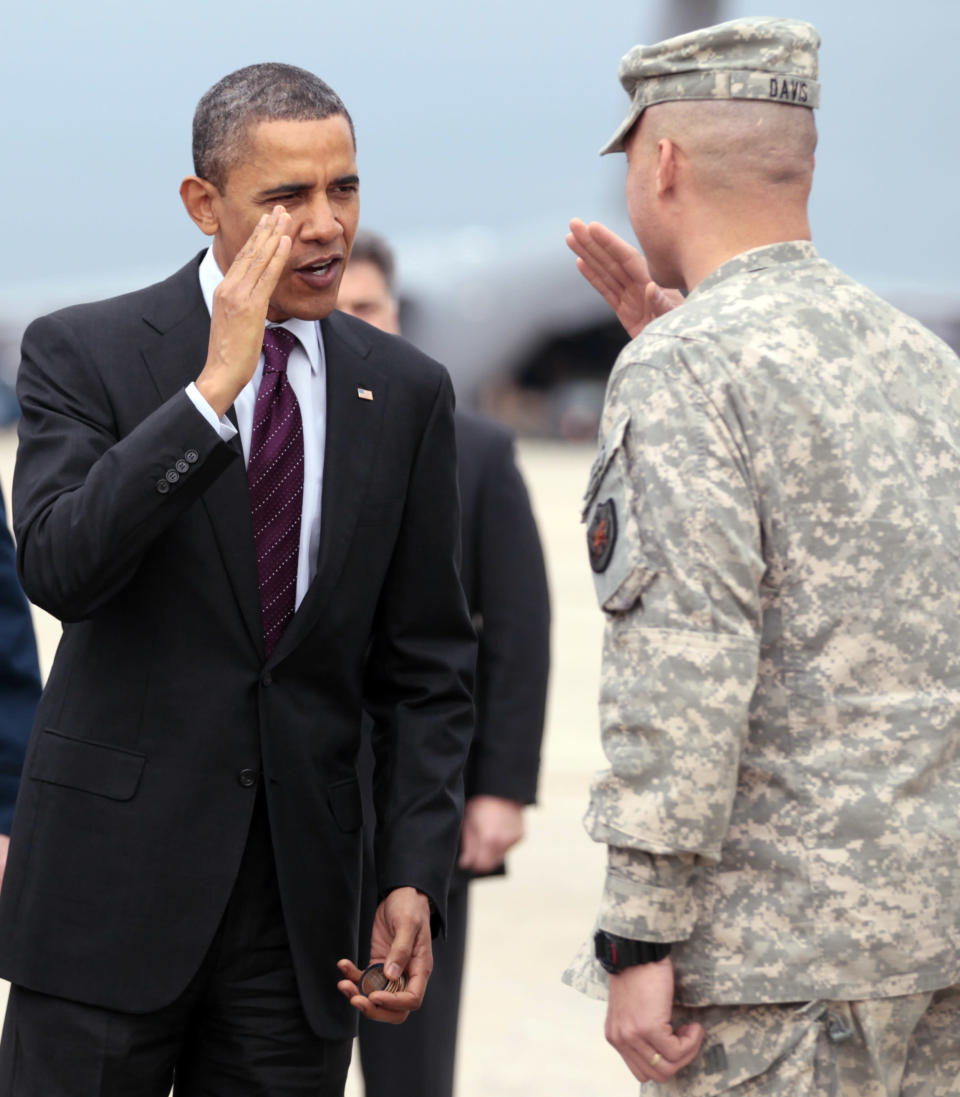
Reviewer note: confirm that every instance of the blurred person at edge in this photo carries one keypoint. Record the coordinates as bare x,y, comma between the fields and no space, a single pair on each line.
504,579
19,682
243,507
772,530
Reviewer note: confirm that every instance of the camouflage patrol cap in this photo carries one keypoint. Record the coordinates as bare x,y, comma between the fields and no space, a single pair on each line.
770,59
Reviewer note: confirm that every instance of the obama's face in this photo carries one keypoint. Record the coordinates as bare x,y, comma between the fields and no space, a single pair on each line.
310,169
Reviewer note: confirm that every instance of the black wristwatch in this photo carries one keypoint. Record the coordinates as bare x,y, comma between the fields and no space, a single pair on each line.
616,953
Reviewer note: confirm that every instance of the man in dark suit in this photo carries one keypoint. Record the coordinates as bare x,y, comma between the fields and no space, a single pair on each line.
505,582
19,682
250,535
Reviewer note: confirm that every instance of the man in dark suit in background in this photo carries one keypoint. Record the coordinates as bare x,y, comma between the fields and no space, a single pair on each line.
505,583
19,682
250,535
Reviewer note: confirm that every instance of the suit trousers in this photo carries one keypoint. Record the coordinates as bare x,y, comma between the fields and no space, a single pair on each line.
417,1058
238,1030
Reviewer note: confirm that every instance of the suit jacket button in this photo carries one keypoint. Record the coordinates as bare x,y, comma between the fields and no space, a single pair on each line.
191,457
267,679
163,487
247,777
181,466
172,475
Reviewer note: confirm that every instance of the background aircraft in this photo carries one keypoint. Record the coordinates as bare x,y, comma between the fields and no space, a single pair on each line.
477,137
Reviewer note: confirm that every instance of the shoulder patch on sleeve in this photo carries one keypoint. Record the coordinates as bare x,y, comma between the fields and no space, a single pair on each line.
602,534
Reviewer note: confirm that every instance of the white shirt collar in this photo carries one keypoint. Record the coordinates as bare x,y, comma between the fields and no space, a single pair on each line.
306,331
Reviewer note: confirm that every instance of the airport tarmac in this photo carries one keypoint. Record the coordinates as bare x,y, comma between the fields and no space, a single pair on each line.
522,1033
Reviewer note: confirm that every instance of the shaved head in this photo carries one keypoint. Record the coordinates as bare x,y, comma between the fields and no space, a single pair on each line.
710,178
737,144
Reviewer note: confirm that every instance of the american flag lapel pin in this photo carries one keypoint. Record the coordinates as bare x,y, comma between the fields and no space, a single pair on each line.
365,394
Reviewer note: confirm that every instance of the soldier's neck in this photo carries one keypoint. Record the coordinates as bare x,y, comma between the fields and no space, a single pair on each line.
723,234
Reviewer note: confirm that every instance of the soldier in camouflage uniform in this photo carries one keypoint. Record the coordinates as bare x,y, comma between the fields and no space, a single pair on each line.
773,524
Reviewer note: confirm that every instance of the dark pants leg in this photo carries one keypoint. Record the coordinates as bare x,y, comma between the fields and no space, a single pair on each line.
417,1058
53,1047
237,1031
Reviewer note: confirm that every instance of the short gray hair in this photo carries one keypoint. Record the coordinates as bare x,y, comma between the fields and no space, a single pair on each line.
258,93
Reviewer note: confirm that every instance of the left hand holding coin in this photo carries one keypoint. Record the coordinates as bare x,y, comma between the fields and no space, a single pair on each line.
401,941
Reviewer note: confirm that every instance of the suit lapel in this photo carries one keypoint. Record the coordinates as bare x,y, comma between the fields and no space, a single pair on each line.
352,440
179,315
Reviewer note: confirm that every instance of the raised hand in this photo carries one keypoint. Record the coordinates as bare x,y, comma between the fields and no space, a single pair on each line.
240,306
619,273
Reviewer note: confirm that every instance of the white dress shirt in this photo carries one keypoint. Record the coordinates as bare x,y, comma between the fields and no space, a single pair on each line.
307,374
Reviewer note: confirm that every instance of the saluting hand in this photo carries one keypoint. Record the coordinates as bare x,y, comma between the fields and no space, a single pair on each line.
240,306
619,273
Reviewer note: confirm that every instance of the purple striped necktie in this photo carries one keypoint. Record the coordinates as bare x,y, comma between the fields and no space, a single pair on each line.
275,476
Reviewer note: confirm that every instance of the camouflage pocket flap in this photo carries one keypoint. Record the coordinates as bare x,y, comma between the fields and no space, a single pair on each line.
744,1043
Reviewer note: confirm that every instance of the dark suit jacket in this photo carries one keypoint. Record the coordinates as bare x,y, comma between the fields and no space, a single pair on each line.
161,709
505,582
19,675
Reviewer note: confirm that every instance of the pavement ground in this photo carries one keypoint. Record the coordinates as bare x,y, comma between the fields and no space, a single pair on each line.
522,1033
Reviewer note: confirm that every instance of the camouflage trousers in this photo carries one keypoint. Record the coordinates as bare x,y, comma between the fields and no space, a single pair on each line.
885,1047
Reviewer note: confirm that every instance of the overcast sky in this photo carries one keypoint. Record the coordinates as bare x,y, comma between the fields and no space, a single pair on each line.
485,115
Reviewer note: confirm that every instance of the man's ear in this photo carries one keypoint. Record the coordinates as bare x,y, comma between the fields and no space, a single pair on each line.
201,199
667,153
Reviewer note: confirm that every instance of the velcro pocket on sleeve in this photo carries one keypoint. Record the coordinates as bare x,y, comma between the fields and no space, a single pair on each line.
621,569
86,766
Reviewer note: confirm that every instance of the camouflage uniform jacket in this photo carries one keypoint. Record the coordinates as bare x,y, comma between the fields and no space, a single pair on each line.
774,529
